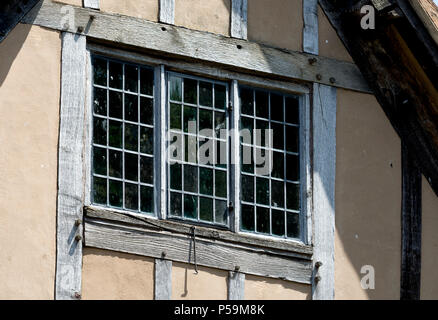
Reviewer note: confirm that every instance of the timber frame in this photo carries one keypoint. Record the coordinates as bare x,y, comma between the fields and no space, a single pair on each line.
315,78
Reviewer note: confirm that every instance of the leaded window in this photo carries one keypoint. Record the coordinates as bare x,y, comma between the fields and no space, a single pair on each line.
198,161
123,135
270,163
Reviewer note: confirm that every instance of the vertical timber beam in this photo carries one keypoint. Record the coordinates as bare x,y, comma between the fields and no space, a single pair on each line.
93,4
239,19
411,228
310,30
167,11
236,285
324,172
70,167
163,279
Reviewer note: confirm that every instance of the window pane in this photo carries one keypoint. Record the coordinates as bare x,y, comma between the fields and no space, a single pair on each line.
293,225
99,161
115,105
131,107
99,190
220,96
277,194
262,189
131,196
219,122
247,218
278,165
261,133
205,122
221,183
190,206
277,107
247,124
147,81
292,110
247,101
175,116
292,139
115,75
131,78
293,196
206,176
175,204
99,71
146,140
206,209
247,188
205,94
175,89
221,154
147,199
99,131
115,193
99,102
278,135
115,164
278,223
131,166
262,104
146,110
147,170
292,167
263,220
115,134
131,137
176,176
191,149
190,119
190,91
221,212
246,158
190,178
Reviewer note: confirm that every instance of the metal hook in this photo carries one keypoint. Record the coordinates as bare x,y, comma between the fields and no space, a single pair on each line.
194,249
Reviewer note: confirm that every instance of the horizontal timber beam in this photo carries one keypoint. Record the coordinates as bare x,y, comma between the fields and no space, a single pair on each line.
172,41
174,246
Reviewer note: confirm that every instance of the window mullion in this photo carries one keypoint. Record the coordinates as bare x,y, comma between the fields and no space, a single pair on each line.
235,155
160,155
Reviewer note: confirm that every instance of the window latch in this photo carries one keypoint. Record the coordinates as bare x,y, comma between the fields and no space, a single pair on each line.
230,106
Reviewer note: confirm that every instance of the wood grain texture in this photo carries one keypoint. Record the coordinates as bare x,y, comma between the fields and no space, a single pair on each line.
324,172
70,167
240,55
310,29
163,279
236,285
93,4
167,11
210,253
410,281
277,246
239,19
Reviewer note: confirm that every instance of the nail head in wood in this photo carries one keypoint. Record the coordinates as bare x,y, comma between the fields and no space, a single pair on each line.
318,264
332,80
317,279
78,222
237,268
312,61
319,77
78,238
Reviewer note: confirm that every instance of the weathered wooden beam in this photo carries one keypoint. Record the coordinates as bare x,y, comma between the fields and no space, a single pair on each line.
172,41
163,279
70,169
277,246
400,83
410,279
236,285
310,29
210,253
239,19
167,11
324,173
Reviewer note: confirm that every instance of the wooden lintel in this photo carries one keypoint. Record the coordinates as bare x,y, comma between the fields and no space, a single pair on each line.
172,41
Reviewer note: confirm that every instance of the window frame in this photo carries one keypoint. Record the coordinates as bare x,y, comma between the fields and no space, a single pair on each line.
234,79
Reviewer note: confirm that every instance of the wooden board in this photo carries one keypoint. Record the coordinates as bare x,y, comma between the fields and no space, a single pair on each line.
239,55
